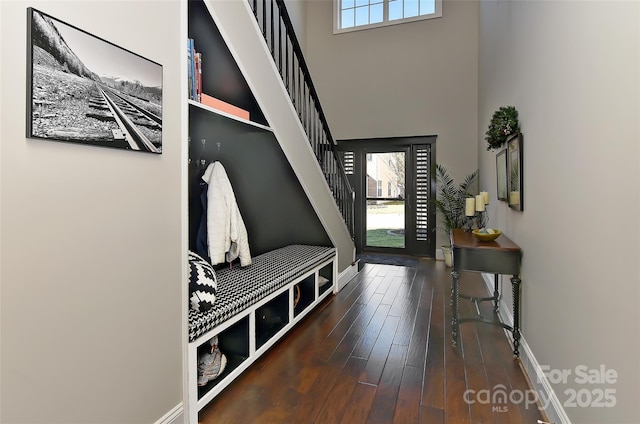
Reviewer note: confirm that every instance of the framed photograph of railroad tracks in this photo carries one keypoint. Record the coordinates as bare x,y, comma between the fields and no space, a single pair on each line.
83,89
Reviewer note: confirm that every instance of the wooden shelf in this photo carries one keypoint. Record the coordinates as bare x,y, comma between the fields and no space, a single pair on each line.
228,115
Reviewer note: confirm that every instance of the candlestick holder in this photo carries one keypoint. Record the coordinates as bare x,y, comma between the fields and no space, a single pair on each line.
482,219
476,212
468,223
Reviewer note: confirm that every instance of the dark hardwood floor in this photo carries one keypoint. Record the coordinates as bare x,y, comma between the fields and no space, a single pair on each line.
380,352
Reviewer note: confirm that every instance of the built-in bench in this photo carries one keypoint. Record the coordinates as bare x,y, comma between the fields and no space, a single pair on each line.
255,306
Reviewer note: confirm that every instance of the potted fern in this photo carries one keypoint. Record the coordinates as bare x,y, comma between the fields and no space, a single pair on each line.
450,202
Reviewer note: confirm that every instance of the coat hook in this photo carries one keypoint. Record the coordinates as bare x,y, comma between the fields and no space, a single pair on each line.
218,144
189,149
202,162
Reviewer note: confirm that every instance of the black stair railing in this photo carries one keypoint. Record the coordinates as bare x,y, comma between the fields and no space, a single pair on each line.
277,29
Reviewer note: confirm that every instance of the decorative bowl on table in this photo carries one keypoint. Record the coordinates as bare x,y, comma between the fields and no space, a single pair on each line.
487,234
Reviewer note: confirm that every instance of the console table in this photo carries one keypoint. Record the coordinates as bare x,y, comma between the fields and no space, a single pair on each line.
501,256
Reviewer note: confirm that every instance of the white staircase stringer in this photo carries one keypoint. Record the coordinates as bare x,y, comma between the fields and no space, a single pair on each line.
239,29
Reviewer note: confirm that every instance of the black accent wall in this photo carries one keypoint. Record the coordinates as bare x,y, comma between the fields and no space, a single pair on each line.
273,204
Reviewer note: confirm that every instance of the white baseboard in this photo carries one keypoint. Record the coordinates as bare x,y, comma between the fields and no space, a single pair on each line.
439,255
175,416
549,401
346,275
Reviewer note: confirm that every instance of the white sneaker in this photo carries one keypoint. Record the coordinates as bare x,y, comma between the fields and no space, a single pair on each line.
211,365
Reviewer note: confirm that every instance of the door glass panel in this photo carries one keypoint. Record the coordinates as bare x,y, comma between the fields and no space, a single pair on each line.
385,188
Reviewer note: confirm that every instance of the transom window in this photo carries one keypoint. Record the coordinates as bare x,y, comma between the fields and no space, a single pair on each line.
352,15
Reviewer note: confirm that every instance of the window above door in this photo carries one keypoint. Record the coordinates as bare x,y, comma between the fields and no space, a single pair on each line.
353,15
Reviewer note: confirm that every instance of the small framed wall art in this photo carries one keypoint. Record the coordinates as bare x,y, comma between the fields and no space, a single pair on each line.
514,166
501,174
83,89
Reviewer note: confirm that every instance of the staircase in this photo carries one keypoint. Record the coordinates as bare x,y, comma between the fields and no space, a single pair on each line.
277,30
260,36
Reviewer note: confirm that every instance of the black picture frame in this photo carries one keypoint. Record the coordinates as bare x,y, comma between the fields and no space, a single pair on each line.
85,90
515,180
501,175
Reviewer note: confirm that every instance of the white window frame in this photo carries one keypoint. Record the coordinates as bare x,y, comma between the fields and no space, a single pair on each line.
385,18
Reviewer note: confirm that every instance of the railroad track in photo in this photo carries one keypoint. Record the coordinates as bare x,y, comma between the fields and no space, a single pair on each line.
135,125
71,108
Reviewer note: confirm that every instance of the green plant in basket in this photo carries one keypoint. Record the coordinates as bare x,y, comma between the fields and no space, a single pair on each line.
451,197
451,200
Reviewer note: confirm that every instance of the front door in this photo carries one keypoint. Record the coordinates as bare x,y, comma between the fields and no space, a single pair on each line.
385,217
392,181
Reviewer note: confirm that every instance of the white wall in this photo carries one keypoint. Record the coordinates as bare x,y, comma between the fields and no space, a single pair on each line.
572,70
416,78
297,10
91,246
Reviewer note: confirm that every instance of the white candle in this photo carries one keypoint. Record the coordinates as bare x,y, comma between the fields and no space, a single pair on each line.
485,197
479,203
470,207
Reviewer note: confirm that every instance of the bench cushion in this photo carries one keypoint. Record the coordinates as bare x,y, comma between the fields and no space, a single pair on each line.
241,287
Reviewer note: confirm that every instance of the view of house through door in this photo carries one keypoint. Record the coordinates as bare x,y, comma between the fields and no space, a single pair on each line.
385,199
392,182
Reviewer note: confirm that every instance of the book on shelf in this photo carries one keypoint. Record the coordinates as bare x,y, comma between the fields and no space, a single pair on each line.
198,75
189,67
194,64
193,70
224,106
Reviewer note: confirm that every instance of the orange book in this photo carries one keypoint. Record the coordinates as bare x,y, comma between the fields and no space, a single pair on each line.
224,106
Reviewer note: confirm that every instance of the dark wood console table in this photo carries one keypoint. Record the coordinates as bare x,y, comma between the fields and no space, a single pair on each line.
501,256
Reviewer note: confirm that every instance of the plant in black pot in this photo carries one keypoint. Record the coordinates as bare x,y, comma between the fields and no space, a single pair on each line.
450,202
